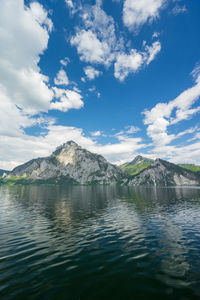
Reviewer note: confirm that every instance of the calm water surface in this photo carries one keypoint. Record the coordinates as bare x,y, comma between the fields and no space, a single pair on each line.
99,243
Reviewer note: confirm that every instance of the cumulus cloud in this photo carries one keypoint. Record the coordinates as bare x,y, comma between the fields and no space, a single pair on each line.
127,63
136,13
24,90
96,42
91,72
12,119
164,115
132,62
69,3
61,78
67,100
24,35
90,48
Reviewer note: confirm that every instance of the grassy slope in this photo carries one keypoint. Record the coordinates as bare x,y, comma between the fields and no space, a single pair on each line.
189,167
135,169
12,180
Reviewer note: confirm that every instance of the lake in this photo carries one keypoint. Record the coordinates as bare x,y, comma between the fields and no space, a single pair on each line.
99,242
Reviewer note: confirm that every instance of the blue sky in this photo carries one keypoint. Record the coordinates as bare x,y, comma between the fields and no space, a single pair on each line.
119,77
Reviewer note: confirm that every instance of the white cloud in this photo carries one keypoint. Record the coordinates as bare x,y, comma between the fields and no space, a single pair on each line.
127,131
188,131
91,72
95,19
65,61
61,78
12,119
136,13
67,100
97,42
132,129
131,63
24,34
73,6
196,72
155,34
69,3
127,63
96,133
152,51
177,9
164,115
92,89
24,90
123,150
90,48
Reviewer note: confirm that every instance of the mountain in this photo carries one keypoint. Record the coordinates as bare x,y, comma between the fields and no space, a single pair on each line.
138,164
3,171
163,173
139,159
191,167
69,163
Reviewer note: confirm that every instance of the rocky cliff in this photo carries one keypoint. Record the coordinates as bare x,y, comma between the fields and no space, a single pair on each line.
163,173
71,164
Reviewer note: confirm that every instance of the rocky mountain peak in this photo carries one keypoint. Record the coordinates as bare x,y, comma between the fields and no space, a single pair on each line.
65,146
71,163
159,161
139,159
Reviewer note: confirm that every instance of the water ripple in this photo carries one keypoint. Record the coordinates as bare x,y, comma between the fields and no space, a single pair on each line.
99,242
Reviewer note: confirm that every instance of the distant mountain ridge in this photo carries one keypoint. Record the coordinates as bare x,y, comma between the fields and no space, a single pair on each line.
3,171
139,159
138,164
71,164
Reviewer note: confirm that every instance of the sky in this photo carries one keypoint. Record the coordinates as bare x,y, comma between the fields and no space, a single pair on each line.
118,77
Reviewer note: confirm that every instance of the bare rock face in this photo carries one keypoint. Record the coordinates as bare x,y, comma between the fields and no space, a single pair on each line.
163,173
71,163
